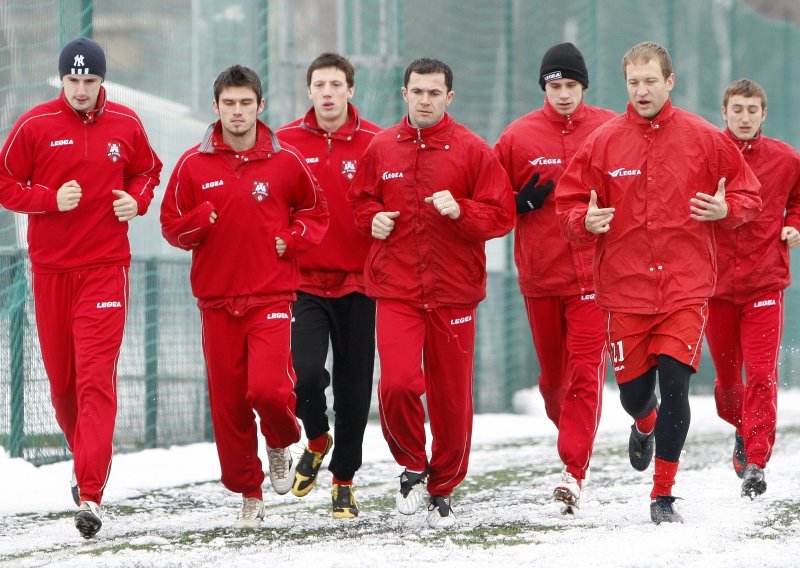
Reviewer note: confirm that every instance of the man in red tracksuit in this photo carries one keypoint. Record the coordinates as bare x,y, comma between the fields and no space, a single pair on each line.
246,206
81,167
654,179
555,275
745,315
331,304
431,193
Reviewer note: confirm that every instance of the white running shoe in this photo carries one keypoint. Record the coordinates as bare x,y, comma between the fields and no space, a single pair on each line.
568,492
440,514
251,514
281,472
88,519
412,492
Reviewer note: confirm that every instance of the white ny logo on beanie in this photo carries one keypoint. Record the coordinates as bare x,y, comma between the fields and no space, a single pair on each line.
78,61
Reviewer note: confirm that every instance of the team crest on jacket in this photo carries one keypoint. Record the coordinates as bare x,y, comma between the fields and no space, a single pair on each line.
349,168
114,153
260,190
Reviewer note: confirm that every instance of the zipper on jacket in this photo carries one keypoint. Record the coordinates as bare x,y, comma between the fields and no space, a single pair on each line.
419,135
330,143
85,139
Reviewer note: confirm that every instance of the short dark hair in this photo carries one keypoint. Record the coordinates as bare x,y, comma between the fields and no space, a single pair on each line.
426,66
745,88
238,76
330,59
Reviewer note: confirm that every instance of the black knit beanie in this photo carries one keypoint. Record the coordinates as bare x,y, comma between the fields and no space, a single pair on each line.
563,61
82,56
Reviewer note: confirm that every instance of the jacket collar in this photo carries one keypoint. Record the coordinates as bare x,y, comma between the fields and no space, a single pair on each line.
345,132
745,145
664,115
92,115
434,136
266,142
566,121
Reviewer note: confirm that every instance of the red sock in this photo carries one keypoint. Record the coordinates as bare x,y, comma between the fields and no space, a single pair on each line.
319,444
255,493
648,423
337,481
663,478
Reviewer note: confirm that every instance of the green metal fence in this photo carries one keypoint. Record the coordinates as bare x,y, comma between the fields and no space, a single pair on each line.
162,60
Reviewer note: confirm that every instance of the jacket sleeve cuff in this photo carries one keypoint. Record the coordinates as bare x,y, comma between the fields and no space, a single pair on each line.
143,204
291,243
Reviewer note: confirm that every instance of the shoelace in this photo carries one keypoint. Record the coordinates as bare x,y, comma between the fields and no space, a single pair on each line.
93,508
277,462
249,509
441,503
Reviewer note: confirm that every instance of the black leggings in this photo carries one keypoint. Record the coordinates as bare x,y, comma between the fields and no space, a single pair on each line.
638,399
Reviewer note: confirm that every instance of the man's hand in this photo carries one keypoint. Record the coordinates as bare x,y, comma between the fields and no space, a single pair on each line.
445,203
532,196
597,220
280,245
383,224
125,207
791,236
710,207
68,196
213,217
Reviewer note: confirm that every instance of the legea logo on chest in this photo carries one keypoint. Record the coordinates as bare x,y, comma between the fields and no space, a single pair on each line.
66,142
391,175
212,184
543,161
623,172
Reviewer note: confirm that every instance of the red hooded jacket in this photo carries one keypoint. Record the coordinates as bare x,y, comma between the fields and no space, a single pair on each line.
335,267
430,260
752,259
262,193
655,258
102,150
544,141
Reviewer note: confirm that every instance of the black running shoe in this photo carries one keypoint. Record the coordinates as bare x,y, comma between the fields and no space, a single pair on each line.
753,483
344,502
88,519
739,457
305,474
662,511
641,448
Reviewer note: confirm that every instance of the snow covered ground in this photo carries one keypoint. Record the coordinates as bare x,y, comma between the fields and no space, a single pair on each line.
165,507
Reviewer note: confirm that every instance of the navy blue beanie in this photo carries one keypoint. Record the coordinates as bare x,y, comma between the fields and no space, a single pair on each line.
82,56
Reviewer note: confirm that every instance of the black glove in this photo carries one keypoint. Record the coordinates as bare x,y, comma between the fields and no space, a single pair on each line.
532,196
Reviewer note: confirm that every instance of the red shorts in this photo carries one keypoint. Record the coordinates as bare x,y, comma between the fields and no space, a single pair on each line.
636,340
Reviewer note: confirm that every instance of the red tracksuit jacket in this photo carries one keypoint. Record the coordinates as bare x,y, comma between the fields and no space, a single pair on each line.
103,150
430,260
752,259
544,141
335,267
655,258
256,192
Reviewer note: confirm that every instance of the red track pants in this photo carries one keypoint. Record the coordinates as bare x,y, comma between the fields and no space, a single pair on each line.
748,335
249,372
80,317
569,337
440,341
